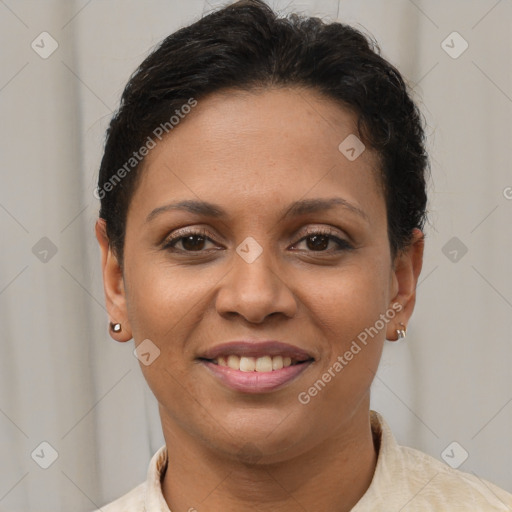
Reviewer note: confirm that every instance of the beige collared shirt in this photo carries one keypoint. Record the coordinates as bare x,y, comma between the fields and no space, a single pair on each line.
405,480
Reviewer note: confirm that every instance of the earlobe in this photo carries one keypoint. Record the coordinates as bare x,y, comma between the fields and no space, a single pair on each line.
113,286
407,268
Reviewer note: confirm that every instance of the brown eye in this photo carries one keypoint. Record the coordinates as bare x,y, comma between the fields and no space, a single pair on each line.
190,240
193,242
318,241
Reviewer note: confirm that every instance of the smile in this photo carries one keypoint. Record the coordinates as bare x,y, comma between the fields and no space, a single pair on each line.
262,364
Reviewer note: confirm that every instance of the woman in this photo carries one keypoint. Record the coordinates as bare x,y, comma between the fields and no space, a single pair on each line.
262,206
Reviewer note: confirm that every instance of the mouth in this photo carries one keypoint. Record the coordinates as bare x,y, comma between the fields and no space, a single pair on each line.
258,356
255,367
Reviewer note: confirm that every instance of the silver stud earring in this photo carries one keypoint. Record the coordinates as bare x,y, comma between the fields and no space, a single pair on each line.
115,327
401,333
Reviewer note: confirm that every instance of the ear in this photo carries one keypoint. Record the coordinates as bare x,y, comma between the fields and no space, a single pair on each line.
407,268
113,285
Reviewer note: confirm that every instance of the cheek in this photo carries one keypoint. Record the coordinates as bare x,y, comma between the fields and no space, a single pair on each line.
162,298
346,301
165,304
347,309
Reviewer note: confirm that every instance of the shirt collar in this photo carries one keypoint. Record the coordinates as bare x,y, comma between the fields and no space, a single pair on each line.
154,499
388,470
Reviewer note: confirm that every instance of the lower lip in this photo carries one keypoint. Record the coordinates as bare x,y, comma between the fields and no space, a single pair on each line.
256,382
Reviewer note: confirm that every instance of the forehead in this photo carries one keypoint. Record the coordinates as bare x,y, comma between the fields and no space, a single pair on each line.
267,147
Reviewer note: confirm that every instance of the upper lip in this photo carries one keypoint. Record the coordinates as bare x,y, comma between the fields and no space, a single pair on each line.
257,349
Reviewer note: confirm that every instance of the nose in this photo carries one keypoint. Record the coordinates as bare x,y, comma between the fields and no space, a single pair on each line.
255,290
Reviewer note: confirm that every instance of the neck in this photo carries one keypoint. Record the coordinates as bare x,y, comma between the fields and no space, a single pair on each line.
332,476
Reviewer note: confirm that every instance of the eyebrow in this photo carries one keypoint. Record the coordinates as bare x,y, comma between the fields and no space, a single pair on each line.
301,207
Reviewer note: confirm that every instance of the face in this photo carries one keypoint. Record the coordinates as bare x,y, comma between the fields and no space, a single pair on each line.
269,262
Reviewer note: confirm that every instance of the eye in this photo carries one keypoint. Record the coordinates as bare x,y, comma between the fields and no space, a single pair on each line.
194,240
318,239
191,240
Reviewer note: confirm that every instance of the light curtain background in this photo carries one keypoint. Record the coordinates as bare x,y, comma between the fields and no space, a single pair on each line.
66,383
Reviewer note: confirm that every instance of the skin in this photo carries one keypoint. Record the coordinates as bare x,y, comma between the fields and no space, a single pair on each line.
254,154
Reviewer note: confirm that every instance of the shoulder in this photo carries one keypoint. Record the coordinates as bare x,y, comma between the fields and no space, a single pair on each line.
444,488
132,501
408,479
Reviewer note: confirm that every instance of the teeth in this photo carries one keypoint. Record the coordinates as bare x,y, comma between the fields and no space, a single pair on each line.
263,364
247,364
234,362
277,363
251,364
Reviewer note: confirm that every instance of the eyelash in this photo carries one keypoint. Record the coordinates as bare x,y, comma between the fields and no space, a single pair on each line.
170,243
